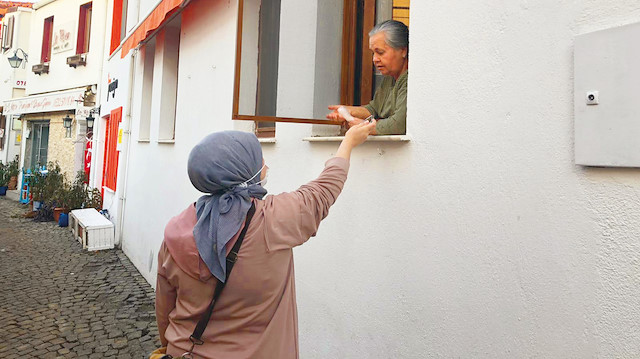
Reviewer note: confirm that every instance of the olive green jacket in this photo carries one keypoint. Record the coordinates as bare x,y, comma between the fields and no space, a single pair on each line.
389,106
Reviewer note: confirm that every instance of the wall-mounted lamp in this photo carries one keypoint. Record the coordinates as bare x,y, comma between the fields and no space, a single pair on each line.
91,119
66,122
15,61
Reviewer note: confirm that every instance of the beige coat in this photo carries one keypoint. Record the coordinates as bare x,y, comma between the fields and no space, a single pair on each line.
256,315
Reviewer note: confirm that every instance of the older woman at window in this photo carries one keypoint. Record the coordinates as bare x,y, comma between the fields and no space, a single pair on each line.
389,42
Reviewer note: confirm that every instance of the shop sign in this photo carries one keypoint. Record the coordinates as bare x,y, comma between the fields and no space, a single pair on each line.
62,38
58,101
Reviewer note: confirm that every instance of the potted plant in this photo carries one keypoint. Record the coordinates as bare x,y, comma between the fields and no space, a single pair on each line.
61,200
4,179
47,187
77,195
13,173
36,188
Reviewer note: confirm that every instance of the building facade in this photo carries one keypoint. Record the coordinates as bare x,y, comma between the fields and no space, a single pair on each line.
473,235
14,40
66,53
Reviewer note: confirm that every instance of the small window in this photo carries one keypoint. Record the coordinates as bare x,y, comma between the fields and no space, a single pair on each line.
118,23
3,131
168,55
84,28
321,57
111,154
148,52
47,33
7,33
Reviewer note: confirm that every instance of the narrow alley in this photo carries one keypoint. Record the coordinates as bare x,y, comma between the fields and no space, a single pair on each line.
59,301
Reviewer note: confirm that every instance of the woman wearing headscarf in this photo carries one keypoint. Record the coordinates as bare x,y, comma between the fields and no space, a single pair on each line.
255,315
389,42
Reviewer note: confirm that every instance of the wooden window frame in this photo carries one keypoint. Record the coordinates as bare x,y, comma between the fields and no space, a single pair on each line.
111,154
236,87
357,73
116,25
7,34
355,45
3,126
47,38
84,28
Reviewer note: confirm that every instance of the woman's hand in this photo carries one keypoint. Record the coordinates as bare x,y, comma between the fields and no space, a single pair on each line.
358,133
358,121
354,137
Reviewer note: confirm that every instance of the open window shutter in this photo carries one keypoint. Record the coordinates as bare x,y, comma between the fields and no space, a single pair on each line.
3,134
9,37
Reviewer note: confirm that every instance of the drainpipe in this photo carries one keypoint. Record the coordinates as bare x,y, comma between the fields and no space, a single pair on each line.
127,132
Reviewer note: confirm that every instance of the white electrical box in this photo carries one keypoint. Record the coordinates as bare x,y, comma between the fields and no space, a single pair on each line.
607,97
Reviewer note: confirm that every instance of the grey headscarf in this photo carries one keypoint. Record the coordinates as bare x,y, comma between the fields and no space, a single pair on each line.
220,165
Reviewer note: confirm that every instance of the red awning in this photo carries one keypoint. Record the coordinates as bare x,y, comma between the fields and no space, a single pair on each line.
158,16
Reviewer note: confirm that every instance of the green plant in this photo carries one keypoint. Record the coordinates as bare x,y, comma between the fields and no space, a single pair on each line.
94,199
4,174
13,167
36,182
53,181
76,193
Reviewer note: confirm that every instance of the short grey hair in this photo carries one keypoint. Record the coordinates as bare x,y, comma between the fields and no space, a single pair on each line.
396,33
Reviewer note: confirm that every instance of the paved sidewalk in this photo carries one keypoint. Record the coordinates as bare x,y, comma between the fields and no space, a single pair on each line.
59,301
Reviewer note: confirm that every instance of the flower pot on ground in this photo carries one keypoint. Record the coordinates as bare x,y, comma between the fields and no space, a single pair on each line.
4,178
13,172
56,213
13,182
63,221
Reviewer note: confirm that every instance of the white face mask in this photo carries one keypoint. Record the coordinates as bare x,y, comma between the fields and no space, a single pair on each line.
262,183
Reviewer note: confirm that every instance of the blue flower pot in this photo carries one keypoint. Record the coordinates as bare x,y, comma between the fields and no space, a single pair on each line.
63,221
3,190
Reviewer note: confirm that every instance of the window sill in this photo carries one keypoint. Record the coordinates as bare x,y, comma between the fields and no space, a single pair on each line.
267,140
168,142
389,138
143,141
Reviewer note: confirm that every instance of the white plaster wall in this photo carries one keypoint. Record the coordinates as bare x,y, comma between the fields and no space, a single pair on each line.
479,238
157,184
60,75
9,76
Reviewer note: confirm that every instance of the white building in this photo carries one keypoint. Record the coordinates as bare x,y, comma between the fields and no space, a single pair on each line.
66,52
15,40
475,235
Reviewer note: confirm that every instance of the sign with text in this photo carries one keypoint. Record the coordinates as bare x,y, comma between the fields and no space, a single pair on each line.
57,101
62,36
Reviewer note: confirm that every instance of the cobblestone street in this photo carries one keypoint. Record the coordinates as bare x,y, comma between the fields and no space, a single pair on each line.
59,301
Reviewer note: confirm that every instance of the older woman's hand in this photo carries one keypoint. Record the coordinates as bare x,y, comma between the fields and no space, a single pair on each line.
335,115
